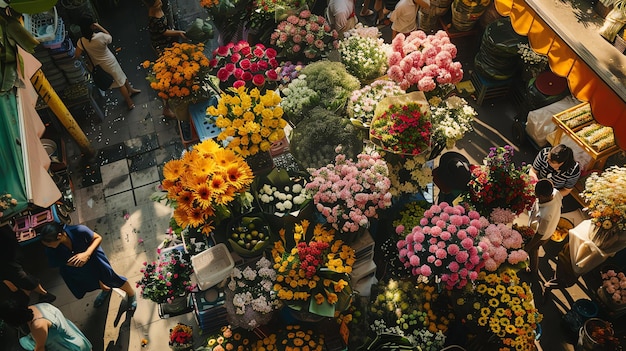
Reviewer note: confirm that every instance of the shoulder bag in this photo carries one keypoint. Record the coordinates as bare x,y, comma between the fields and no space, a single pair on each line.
101,78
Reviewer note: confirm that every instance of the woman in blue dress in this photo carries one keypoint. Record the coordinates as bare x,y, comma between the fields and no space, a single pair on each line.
82,263
46,327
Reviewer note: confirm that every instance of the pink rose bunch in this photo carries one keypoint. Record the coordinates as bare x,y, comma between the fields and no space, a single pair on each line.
499,244
349,193
240,64
423,61
502,215
305,35
444,244
615,285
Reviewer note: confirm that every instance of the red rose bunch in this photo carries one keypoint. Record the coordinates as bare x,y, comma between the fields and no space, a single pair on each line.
311,256
240,64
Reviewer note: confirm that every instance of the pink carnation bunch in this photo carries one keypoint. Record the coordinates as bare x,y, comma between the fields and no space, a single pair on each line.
444,244
304,34
347,194
501,243
614,284
239,64
424,61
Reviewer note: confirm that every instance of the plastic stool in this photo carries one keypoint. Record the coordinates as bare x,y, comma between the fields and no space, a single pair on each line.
488,89
188,134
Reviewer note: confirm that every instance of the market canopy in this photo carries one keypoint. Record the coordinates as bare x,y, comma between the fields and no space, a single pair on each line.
567,32
24,162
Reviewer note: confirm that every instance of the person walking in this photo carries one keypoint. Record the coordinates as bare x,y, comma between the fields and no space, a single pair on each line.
11,268
341,16
404,17
162,36
94,41
544,216
82,263
45,325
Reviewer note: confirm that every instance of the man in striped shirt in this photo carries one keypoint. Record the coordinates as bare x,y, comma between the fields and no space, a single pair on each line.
558,165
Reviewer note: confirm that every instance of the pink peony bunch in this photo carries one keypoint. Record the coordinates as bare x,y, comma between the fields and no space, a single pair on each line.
423,61
444,245
501,243
349,193
240,64
615,285
305,35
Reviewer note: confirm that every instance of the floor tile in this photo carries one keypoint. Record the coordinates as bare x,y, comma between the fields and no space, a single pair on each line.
111,154
121,202
141,144
89,203
143,193
115,177
144,176
169,152
89,175
142,161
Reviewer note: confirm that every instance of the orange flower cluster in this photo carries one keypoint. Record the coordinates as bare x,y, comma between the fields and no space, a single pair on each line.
209,3
179,72
292,338
203,182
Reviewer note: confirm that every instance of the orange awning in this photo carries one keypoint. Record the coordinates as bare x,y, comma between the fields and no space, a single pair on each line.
608,101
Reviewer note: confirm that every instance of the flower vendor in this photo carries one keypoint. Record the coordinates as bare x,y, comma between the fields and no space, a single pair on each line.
341,15
558,165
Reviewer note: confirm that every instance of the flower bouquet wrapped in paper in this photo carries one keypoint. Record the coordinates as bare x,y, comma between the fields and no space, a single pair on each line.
250,298
181,337
402,124
312,273
605,194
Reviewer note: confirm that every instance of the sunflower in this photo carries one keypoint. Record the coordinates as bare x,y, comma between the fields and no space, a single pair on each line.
185,199
203,196
173,169
492,292
482,321
196,216
203,166
208,146
218,184
181,217
482,288
485,311
501,289
499,312
494,302
238,174
224,157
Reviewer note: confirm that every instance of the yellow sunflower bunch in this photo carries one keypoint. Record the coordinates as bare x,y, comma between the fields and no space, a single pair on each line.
179,71
503,304
250,122
202,184
321,280
292,338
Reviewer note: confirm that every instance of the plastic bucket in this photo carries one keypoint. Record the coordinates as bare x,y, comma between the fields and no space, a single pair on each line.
585,338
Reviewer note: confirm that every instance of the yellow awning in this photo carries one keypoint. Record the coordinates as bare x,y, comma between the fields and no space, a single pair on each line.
607,106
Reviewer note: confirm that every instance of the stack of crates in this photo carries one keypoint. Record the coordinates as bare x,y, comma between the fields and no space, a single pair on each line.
209,310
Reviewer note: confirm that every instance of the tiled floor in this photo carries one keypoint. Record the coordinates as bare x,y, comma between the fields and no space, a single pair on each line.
113,187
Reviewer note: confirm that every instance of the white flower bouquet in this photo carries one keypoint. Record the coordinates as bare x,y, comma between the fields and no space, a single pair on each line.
605,194
363,56
529,56
298,98
451,119
250,298
362,102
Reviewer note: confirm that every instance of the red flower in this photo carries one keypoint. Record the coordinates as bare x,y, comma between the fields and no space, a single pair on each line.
258,80
246,76
271,75
245,64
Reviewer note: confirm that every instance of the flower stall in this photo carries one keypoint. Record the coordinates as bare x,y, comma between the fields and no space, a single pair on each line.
342,250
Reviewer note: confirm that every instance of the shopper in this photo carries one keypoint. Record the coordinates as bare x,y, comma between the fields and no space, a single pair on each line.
11,268
45,325
544,217
82,263
558,165
162,36
452,176
404,17
94,41
341,15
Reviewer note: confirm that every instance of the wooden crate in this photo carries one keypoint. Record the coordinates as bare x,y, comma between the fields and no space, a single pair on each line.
599,156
